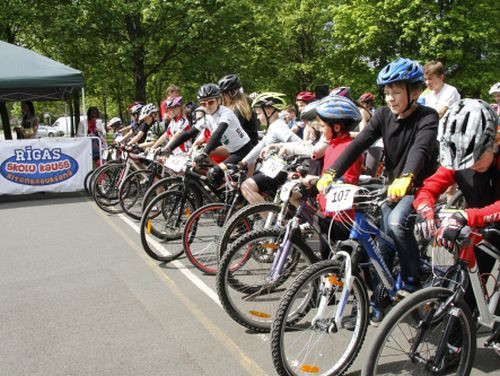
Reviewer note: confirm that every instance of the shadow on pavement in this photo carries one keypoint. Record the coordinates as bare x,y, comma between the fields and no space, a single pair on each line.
42,199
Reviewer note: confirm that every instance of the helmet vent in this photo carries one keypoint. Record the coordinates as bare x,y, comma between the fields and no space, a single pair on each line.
465,122
470,148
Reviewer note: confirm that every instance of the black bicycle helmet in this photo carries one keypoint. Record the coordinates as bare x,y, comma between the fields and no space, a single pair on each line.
208,91
229,83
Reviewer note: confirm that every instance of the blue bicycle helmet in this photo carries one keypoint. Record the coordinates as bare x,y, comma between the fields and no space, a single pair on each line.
401,70
335,107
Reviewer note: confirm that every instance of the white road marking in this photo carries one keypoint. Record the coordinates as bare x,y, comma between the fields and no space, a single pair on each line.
182,268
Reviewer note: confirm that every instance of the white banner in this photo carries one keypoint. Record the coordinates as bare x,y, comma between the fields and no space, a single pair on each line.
44,165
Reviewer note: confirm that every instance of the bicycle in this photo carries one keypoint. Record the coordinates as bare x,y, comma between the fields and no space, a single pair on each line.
434,329
202,230
109,180
136,184
330,298
164,218
249,292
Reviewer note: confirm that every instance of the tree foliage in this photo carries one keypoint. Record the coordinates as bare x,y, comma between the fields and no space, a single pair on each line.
132,49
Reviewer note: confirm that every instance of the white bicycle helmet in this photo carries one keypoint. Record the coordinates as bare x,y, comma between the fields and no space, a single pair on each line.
494,89
114,122
467,130
146,110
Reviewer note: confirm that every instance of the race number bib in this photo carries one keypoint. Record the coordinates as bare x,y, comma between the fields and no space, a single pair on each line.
151,155
286,190
272,167
340,197
175,163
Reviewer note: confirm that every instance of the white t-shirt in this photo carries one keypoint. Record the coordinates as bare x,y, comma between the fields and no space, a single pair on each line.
278,132
447,96
235,137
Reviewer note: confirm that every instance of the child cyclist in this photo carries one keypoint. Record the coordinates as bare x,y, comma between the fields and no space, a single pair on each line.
177,124
409,134
337,116
467,142
225,130
267,106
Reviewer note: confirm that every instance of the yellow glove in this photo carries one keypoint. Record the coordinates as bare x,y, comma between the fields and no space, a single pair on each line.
400,186
325,180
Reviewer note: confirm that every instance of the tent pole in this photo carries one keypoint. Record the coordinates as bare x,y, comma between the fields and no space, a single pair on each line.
83,104
4,113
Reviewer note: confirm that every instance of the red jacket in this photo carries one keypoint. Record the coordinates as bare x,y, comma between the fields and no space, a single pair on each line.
351,176
437,184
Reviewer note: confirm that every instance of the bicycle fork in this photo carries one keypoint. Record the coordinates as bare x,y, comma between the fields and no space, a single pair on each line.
329,283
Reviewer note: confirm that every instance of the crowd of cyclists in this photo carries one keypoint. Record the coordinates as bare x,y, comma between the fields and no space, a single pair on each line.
417,151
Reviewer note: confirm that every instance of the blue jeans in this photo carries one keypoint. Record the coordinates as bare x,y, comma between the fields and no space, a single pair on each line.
396,223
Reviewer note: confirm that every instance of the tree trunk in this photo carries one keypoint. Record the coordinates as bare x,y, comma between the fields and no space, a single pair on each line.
140,82
104,103
5,121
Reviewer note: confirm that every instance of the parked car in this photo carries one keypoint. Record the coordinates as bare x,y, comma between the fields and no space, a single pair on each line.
49,131
64,124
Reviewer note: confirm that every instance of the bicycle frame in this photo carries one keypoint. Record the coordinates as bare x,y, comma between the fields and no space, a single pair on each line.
468,272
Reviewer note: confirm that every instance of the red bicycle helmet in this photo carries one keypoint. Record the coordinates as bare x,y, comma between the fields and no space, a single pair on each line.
305,96
366,97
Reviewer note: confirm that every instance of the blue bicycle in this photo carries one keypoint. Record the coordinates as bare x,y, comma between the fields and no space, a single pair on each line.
329,300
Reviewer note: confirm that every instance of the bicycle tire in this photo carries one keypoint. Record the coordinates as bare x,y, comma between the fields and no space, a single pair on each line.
420,301
90,181
314,355
132,192
86,180
241,278
106,186
159,187
200,243
161,236
232,229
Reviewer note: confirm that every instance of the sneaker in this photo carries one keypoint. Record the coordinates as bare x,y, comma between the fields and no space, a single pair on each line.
408,288
376,316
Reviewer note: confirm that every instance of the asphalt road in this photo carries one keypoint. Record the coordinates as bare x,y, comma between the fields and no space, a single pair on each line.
78,296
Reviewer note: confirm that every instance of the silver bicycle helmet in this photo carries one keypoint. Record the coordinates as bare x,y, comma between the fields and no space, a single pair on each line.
146,110
467,131
494,89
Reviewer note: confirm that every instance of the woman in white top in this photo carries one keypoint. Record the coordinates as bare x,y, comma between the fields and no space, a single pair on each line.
93,126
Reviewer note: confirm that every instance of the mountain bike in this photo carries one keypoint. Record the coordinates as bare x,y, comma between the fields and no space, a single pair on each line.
433,331
163,220
329,299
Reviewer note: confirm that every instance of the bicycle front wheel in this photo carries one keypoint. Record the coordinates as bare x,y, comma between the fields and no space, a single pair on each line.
246,289
162,225
408,338
312,342
201,236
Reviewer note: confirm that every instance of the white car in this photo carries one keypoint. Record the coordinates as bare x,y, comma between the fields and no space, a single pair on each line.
49,131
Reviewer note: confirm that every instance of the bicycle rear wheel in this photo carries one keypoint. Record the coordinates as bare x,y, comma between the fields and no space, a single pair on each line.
158,187
106,186
304,337
162,225
243,281
201,235
407,340
132,191
236,226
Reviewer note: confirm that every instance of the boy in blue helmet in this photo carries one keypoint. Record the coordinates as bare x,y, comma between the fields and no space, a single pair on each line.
409,133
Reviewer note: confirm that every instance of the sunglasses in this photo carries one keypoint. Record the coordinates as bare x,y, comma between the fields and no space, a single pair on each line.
207,103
